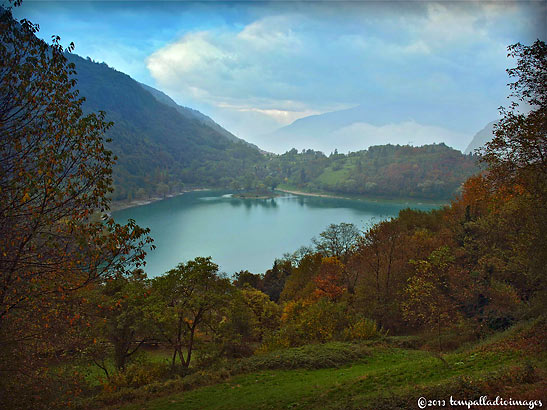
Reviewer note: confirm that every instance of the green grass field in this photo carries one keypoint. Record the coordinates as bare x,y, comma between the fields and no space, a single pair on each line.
384,377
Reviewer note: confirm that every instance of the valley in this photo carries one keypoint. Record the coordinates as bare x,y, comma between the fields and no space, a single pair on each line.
263,205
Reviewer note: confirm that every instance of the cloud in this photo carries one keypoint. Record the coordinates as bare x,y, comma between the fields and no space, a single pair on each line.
254,66
284,117
286,63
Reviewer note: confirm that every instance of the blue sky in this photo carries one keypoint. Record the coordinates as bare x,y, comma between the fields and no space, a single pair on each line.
256,66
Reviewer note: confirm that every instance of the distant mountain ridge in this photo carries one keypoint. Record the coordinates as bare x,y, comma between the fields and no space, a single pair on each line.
481,138
371,124
190,113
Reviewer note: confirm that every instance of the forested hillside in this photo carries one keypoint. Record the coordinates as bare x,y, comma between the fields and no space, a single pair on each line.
159,149
193,114
389,171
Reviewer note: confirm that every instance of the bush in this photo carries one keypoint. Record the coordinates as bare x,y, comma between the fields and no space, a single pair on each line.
319,321
147,392
306,322
364,329
317,356
138,374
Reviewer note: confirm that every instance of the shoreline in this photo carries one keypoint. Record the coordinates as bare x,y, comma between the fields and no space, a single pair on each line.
118,206
264,196
369,199
311,194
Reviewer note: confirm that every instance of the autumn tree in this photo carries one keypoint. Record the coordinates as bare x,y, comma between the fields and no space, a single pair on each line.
428,296
518,152
250,316
517,173
300,283
265,313
375,262
120,327
329,280
55,177
337,240
187,299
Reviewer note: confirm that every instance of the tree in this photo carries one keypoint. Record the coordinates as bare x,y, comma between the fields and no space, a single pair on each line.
329,279
274,279
300,283
120,322
337,240
244,278
186,299
517,173
428,294
518,152
55,178
250,316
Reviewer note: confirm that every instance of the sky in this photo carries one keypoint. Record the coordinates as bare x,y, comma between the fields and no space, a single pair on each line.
257,66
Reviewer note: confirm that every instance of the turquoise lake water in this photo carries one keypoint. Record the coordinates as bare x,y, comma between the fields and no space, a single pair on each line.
245,233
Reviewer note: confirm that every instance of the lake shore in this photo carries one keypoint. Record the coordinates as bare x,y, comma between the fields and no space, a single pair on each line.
311,194
118,206
253,195
369,199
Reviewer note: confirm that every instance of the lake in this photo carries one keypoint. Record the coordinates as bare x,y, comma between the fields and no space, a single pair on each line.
244,234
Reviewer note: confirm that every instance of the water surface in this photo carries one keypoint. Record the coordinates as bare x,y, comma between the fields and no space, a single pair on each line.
245,233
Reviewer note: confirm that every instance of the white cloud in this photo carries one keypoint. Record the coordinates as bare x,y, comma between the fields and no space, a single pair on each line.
273,33
283,117
286,64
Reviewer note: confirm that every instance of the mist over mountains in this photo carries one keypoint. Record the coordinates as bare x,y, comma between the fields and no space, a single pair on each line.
480,138
372,124
193,115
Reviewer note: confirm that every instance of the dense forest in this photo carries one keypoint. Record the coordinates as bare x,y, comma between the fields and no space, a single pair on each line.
160,149
391,171
82,326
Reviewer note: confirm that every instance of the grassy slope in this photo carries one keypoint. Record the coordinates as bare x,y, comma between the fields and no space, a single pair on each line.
332,177
386,373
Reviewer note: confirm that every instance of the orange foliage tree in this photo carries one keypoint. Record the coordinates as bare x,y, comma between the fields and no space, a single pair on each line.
329,281
55,177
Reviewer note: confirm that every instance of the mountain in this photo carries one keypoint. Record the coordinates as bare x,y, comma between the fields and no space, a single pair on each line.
192,114
162,146
371,124
159,144
482,137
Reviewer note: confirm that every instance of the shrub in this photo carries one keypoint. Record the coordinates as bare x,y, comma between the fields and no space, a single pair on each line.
138,374
363,329
307,322
317,356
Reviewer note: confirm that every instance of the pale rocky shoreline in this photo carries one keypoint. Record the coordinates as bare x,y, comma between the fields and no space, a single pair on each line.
118,206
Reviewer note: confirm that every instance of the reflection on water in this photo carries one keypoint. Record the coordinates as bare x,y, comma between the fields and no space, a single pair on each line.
245,233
